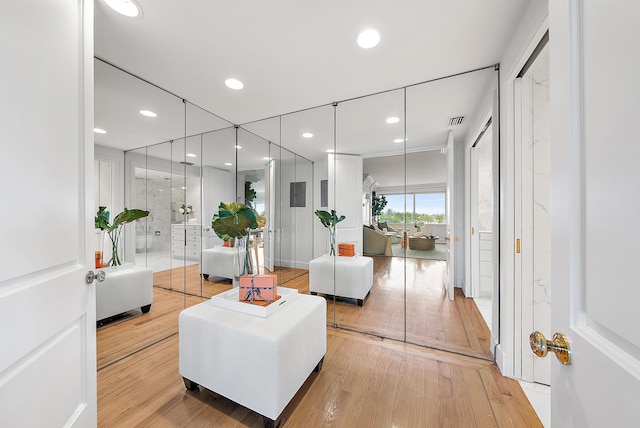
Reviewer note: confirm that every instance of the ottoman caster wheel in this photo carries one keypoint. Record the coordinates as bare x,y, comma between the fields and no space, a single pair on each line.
319,365
270,423
190,385
205,276
145,309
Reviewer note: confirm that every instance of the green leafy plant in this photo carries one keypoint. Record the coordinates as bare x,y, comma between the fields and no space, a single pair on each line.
377,204
249,193
235,220
114,229
330,220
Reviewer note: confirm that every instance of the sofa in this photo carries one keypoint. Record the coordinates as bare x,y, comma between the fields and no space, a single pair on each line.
375,242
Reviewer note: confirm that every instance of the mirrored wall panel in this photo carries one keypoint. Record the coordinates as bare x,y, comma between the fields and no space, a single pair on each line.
391,166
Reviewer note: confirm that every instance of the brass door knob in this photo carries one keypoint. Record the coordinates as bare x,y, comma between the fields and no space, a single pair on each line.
558,345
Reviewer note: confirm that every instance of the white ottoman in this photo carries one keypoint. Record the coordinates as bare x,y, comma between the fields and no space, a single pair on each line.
257,362
124,289
353,276
217,261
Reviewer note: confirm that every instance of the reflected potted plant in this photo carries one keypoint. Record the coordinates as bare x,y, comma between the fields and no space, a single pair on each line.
330,220
377,205
114,230
236,220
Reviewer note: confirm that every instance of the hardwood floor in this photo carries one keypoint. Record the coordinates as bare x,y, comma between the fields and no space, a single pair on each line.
365,382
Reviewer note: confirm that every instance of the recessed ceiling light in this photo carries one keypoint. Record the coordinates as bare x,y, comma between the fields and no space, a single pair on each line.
393,119
191,155
183,188
307,135
399,140
368,38
99,131
234,84
148,113
329,150
228,163
160,190
124,7
266,158
238,147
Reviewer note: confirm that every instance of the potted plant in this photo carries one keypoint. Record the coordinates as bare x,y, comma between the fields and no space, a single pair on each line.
236,220
114,229
377,205
329,220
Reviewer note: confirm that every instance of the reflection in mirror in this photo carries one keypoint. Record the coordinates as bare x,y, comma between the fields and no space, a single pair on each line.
119,98
368,127
464,101
218,185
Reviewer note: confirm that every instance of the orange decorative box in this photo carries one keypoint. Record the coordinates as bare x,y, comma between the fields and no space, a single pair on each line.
258,288
346,249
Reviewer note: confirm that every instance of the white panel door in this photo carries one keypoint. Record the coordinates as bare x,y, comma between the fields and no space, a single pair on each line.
595,101
47,311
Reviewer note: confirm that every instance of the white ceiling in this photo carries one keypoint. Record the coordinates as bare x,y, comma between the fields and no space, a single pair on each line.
292,55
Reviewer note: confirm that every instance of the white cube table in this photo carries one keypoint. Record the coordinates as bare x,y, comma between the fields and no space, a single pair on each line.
260,363
217,261
353,276
123,289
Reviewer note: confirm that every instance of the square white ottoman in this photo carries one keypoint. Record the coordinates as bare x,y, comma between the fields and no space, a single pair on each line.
217,261
353,276
257,362
124,289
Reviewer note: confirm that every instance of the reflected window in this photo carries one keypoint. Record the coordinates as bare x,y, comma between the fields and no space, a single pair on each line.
421,208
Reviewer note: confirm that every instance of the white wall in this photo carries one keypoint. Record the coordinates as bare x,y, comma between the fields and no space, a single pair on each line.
116,158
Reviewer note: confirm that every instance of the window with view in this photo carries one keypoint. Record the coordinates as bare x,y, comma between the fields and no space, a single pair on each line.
414,208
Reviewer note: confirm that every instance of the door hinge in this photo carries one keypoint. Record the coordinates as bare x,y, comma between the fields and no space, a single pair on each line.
518,246
473,231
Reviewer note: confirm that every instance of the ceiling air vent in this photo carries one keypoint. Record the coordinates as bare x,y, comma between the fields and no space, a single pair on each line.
453,121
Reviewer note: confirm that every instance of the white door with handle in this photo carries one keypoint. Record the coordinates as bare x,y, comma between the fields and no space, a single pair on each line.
47,310
595,102
450,210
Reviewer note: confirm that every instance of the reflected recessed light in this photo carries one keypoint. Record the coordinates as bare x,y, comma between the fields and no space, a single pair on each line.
183,188
160,190
307,135
99,131
228,163
234,84
393,119
148,113
124,7
238,147
191,155
266,158
161,176
368,38
399,140
329,150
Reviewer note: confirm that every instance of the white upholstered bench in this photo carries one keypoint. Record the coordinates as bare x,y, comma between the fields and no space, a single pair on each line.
260,363
124,289
217,261
353,276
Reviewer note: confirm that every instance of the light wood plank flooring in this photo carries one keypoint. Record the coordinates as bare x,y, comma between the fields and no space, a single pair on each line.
365,382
